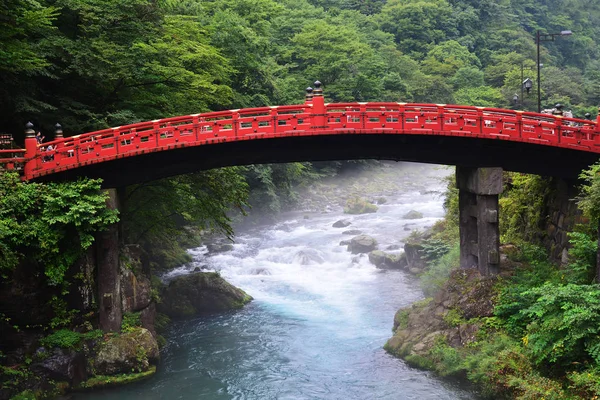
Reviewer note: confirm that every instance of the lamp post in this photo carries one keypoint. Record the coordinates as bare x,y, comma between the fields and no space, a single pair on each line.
544,37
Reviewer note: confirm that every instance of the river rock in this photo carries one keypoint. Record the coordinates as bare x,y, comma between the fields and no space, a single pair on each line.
352,232
308,257
384,260
219,247
413,214
342,223
61,365
362,244
200,293
125,353
345,243
377,258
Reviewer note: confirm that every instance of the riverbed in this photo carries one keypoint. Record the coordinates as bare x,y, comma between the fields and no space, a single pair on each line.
320,315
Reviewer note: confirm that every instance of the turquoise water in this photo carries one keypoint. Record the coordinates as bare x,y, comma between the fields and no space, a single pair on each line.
320,317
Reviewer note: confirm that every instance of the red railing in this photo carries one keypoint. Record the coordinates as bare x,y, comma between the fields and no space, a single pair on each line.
311,118
12,159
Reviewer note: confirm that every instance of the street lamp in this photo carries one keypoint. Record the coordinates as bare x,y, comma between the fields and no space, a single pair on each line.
545,37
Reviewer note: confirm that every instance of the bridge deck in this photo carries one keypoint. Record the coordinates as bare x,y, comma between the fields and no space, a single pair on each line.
574,138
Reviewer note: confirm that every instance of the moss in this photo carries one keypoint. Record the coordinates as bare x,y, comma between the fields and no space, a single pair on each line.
102,381
401,319
418,361
161,322
25,395
454,318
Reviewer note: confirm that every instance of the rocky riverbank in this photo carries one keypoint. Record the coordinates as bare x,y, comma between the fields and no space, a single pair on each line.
55,347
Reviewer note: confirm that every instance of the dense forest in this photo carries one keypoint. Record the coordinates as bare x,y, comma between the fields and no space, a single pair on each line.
92,64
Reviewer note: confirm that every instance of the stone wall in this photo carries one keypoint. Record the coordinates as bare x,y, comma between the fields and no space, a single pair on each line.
562,216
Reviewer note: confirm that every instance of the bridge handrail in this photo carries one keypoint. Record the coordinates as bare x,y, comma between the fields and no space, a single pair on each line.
311,118
12,159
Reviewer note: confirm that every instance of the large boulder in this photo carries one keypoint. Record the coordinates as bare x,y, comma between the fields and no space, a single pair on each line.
63,365
384,260
362,244
200,293
134,351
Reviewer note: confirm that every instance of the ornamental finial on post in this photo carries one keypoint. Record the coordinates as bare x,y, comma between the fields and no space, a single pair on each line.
558,109
309,94
58,132
318,91
29,132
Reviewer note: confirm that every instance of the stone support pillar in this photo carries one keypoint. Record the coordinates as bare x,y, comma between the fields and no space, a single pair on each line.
478,205
109,290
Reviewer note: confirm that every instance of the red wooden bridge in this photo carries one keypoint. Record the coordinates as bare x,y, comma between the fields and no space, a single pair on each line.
445,134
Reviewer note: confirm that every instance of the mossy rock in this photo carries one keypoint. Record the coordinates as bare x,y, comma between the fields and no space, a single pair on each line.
134,351
413,214
362,244
356,205
199,294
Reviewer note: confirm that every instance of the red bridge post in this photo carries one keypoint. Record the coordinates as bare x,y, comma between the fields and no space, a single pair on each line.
30,150
598,122
318,112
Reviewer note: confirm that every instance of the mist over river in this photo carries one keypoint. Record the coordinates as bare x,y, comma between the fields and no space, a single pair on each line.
320,315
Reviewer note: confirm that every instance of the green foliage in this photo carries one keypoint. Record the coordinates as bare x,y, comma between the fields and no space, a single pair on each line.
156,213
438,271
68,339
454,318
582,258
63,338
589,199
522,208
563,323
130,322
62,316
51,224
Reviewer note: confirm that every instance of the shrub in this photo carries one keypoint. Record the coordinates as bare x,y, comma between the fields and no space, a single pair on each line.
63,338
437,273
130,322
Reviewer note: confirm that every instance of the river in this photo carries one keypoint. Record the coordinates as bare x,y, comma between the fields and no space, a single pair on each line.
320,316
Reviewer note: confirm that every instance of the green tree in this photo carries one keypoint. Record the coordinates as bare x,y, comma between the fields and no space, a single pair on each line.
50,224
589,202
157,213
418,24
